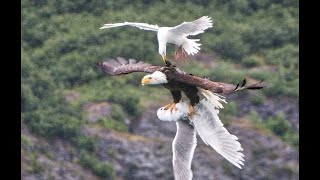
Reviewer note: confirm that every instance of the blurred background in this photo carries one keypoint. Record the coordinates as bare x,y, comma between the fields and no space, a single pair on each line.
78,123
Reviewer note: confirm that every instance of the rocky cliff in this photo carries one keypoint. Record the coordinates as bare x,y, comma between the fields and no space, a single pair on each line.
145,152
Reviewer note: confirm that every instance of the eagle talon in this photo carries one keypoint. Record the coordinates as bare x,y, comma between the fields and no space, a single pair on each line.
171,107
167,106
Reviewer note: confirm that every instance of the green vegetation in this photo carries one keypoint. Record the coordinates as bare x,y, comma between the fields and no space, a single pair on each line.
25,141
100,168
257,99
282,128
61,43
252,61
226,72
35,166
230,110
279,126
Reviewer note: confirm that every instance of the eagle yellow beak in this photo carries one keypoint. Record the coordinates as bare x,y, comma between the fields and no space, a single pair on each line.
145,81
164,58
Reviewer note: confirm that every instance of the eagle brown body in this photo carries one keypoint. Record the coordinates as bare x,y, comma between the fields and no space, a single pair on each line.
177,87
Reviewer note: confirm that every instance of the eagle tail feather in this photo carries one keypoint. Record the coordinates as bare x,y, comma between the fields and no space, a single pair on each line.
213,98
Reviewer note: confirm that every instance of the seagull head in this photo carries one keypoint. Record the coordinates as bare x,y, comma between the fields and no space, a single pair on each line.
155,78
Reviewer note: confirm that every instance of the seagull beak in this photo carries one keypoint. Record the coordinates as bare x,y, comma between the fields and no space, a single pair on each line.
164,58
145,81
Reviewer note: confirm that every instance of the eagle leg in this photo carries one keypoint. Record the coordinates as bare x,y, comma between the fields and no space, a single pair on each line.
167,106
171,107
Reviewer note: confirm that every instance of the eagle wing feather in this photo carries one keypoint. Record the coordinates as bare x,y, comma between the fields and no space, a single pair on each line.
205,83
120,66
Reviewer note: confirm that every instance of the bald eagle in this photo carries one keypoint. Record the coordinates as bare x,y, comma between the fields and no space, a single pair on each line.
175,80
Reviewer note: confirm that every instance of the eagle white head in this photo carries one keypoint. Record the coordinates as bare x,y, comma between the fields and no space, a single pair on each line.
155,78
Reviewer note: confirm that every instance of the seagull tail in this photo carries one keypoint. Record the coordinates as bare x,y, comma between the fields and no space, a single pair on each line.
191,46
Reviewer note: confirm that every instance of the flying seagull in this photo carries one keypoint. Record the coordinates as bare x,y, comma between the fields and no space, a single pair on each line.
175,35
208,126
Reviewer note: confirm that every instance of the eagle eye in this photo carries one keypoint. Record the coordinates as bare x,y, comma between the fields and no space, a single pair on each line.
150,78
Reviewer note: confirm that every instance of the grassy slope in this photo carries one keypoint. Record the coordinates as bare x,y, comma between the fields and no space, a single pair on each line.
61,43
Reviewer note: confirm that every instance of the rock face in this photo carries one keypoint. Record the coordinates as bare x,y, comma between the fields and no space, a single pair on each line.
146,153
270,108
266,156
95,111
53,159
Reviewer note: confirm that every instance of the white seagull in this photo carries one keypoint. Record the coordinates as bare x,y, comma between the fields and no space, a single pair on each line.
207,124
175,35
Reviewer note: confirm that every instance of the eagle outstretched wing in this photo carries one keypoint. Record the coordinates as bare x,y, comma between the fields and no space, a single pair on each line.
205,83
122,66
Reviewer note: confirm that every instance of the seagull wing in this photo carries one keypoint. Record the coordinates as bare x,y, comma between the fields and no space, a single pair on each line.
143,26
193,28
212,132
183,146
